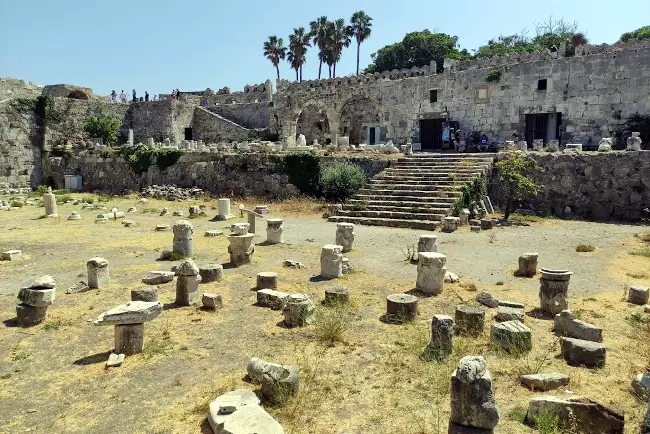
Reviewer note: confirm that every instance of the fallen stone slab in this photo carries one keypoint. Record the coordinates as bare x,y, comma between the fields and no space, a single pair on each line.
271,298
211,301
213,233
512,336
211,273
451,277
239,412
638,295
37,297
12,255
133,312
510,311
78,288
641,386
280,384
149,295
544,382
43,282
158,277
163,228
115,360
581,352
487,299
289,263
586,415
565,324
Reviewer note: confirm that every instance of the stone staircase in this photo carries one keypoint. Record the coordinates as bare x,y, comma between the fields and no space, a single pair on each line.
417,192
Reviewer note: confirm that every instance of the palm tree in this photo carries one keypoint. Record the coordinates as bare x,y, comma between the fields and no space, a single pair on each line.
360,28
319,33
274,50
299,41
339,38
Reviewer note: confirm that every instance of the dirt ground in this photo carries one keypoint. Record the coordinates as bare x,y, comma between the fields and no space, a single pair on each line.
53,377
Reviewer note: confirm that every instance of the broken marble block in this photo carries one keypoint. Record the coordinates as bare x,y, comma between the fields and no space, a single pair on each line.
98,275
271,298
133,312
565,325
544,382
510,311
337,296
469,320
187,283
486,299
211,301
512,336
472,400
267,280
115,360
298,310
12,255
280,383
583,353
145,294
158,277
213,233
638,295
584,415
239,412
211,273
37,297
442,334
641,386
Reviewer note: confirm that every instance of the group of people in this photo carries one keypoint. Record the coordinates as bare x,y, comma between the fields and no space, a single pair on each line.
176,94
123,98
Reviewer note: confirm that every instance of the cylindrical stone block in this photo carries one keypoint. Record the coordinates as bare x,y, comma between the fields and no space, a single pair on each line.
470,320
241,249
553,290
49,200
129,338
183,235
527,265
298,310
431,272
331,261
337,295
345,236
187,290
280,383
267,280
401,307
211,273
442,331
30,315
274,231
144,294
427,243
251,222
224,209
240,228
98,276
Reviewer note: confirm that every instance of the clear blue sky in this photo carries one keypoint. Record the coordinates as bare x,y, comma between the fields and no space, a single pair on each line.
157,45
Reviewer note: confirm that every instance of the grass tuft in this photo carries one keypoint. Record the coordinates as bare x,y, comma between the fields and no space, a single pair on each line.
585,248
640,252
332,322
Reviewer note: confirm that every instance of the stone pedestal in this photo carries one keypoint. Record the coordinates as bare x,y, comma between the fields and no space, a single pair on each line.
331,261
267,280
472,400
129,338
345,236
527,265
427,243
224,209
241,249
27,315
298,310
431,272
634,142
261,209
441,344
337,295
401,307
34,301
187,283
251,222
274,231
211,273
49,200
638,295
553,290
98,276
183,234
450,224
469,320
463,217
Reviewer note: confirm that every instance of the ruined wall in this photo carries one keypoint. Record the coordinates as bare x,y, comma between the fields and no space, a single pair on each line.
15,88
20,148
593,90
248,115
612,186
313,123
212,128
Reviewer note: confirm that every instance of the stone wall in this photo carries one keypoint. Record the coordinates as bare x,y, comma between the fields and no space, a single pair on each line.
212,128
15,88
20,148
612,186
248,115
593,90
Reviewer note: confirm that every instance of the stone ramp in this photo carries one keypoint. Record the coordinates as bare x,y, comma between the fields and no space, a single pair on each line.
417,192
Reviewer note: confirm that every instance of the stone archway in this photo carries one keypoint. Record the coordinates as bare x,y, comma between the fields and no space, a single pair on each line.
314,123
356,114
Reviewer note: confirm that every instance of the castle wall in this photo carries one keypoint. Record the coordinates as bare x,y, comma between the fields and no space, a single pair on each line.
20,148
15,88
248,115
212,128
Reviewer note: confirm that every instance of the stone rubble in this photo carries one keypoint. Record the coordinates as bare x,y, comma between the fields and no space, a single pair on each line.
587,415
580,352
239,412
158,277
544,382
566,325
271,298
171,192
472,400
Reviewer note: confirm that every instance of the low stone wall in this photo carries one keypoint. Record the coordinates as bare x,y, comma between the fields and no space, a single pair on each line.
252,115
604,186
212,128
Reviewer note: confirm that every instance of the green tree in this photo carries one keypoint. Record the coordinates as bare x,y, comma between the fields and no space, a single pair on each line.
274,50
505,45
341,180
417,49
104,127
320,35
515,173
360,29
299,41
636,35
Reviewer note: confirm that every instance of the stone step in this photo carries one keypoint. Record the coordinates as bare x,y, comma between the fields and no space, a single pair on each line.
434,170
427,225
420,193
479,157
430,165
452,182
394,215
391,199
399,203
399,207
426,177
445,186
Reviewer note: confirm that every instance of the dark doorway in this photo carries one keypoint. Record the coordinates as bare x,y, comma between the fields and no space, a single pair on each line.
543,126
188,134
49,181
372,136
431,134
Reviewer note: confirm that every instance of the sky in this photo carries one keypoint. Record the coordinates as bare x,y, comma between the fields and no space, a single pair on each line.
158,45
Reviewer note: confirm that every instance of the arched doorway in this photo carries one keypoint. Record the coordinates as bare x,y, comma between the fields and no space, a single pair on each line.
49,182
314,124
360,121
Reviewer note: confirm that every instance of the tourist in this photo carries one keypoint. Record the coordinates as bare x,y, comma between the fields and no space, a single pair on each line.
456,140
134,96
205,103
174,94
155,97
146,95
114,96
123,97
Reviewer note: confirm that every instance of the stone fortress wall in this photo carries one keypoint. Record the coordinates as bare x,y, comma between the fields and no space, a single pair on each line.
593,90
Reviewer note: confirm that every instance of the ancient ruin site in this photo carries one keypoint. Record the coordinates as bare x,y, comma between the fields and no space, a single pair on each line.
445,242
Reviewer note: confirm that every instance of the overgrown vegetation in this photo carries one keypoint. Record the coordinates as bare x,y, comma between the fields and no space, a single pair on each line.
104,127
303,170
640,252
332,322
472,193
494,76
42,107
585,248
17,204
515,173
140,158
341,180
636,35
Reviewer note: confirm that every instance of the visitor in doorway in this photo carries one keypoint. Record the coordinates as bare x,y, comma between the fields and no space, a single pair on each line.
123,97
135,98
456,140
146,95
114,96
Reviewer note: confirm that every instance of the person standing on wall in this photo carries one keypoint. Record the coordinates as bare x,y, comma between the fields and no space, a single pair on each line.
123,97
114,96
134,97
146,95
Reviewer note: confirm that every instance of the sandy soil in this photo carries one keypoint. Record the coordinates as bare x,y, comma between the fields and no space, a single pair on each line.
52,376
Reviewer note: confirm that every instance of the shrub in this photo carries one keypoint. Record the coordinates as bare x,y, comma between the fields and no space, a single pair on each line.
89,199
102,126
303,170
63,198
585,248
332,322
472,193
342,180
17,204
140,158
494,75
641,252
515,174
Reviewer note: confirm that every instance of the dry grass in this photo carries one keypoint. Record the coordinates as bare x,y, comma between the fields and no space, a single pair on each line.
585,248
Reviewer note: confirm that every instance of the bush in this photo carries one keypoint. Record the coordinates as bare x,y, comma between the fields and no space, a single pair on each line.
341,180
103,127
585,248
303,170
472,193
89,199
515,176
63,198
332,322
140,158
494,75
17,204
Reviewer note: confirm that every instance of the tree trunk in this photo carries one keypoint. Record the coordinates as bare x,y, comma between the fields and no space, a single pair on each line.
297,78
301,73
508,209
320,65
277,68
358,49
334,70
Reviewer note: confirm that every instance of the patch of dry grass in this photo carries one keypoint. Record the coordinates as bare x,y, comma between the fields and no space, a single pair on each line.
585,248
